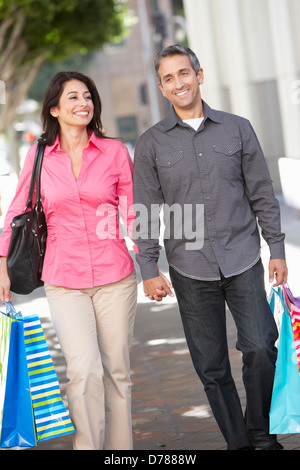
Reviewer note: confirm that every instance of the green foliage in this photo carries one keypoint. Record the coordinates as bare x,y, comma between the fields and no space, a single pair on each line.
49,69
61,28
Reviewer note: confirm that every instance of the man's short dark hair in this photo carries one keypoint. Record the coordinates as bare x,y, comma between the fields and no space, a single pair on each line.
176,49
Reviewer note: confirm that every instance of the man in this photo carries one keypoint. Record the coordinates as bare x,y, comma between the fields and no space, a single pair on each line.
199,157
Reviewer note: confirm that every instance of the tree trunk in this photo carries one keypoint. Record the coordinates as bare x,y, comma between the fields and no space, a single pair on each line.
16,91
16,75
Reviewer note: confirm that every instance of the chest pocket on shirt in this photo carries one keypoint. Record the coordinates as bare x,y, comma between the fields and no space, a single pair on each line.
169,159
229,158
229,147
170,168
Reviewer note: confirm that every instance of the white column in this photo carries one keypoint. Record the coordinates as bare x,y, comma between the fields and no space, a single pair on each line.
216,33
233,57
201,37
284,50
258,40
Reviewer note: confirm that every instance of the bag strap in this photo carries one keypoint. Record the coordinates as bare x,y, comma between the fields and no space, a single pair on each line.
36,175
40,149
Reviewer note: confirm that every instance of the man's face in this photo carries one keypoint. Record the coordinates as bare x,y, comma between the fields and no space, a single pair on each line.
180,84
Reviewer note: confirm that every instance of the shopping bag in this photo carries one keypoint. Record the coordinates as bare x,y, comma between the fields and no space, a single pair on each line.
51,417
276,302
285,404
293,300
17,427
294,311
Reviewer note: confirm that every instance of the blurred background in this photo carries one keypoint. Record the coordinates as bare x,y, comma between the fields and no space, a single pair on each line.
249,50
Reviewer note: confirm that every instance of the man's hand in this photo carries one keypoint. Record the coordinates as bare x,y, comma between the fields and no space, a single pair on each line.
278,271
158,287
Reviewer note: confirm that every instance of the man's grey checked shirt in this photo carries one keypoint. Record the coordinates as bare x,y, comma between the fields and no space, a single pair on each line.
222,167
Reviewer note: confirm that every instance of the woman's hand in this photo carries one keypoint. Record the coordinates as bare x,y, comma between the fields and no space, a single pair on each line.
5,294
158,287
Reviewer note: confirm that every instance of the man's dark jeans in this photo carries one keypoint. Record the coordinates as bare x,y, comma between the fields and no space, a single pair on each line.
202,309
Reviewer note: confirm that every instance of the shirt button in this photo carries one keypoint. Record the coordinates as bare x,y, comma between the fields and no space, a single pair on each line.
200,154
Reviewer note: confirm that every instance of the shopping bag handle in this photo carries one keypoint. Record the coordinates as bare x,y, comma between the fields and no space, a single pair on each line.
10,310
286,297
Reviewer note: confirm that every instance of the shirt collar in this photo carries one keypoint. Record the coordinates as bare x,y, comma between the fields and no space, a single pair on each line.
172,118
97,141
94,139
210,113
49,148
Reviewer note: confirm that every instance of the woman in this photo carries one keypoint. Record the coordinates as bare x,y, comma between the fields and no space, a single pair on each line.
88,273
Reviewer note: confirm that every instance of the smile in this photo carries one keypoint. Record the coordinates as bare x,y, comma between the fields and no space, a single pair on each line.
182,93
81,113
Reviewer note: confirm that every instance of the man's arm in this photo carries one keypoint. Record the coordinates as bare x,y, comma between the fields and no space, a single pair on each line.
260,193
148,198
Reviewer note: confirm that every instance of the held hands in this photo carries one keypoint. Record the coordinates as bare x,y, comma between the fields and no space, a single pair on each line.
278,271
155,288
158,287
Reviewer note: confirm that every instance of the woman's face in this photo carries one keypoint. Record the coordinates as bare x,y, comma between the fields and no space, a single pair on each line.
75,106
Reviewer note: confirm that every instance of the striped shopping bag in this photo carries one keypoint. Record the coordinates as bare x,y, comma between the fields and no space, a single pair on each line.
51,417
295,317
285,403
292,304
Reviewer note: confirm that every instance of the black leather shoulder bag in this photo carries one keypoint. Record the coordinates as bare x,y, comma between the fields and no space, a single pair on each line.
28,238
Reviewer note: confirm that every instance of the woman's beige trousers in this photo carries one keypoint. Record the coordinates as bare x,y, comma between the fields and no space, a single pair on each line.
95,330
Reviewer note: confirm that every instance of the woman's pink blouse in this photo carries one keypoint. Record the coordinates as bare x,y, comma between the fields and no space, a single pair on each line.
84,246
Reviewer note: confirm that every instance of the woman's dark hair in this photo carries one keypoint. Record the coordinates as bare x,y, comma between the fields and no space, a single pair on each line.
51,99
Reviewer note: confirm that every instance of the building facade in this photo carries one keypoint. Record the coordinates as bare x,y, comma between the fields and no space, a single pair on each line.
249,50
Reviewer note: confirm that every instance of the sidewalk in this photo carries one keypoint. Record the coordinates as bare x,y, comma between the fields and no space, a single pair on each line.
170,409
